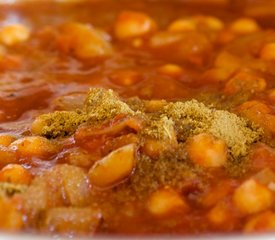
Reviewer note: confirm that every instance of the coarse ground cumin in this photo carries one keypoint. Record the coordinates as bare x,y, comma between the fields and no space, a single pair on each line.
58,124
194,118
99,106
9,189
104,104
160,127
186,119
151,175
176,121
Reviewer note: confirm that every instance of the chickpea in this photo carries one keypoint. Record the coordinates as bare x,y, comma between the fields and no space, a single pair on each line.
256,106
15,173
154,148
6,139
166,201
191,24
216,75
154,105
164,39
13,34
213,23
262,222
220,214
7,156
171,70
68,102
206,150
181,25
244,26
131,24
245,81
79,157
34,146
252,197
228,61
126,77
10,218
84,41
259,113
76,220
114,168
268,52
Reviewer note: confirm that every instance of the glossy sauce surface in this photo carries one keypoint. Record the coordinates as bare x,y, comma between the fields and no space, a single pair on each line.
220,54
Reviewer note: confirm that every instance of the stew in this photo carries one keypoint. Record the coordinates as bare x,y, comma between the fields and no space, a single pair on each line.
137,117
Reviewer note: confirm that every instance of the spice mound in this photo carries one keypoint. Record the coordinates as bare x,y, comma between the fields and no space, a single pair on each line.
185,119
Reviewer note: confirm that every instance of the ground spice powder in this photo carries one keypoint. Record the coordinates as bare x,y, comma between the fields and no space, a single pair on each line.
186,118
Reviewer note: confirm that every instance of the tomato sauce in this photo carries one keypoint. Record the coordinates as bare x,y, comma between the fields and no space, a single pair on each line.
182,144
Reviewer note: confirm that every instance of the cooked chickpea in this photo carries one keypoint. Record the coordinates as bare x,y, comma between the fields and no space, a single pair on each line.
164,39
15,173
154,105
220,214
255,106
206,150
171,70
38,125
166,201
154,147
181,25
252,197
213,23
133,24
216,75
228,61
268,52
114,168
126,77
244,26
84,41
34,146
6,139
10,218
259,113
191,24
245,81
262,222
13,34
76,220
79,157
7,156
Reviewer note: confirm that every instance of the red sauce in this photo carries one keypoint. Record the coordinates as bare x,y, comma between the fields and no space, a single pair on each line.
217,53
